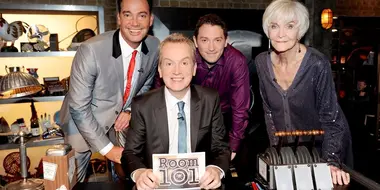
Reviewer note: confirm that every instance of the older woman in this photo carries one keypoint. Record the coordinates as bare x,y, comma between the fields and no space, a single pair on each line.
297,87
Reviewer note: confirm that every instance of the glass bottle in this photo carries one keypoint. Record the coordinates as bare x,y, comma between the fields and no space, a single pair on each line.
34,124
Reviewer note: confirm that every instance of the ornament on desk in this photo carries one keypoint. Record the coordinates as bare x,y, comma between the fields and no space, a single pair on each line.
11,32
33,72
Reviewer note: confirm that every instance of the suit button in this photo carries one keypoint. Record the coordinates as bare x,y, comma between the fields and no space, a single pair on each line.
116,112
107,127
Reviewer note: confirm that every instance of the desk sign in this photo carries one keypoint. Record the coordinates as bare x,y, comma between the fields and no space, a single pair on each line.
179,171
50,170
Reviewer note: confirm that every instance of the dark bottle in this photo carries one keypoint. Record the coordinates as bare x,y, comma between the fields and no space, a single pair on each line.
34,124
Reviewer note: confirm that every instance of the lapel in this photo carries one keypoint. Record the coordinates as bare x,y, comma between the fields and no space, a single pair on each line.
116,54
144,58
195,116
161,119
119,66
142,68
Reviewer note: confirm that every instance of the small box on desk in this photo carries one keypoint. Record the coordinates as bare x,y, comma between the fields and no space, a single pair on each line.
60,170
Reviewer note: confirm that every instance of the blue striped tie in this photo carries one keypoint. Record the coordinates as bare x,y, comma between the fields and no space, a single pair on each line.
182,140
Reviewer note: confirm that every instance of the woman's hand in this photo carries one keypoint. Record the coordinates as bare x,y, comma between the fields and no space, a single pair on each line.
339,176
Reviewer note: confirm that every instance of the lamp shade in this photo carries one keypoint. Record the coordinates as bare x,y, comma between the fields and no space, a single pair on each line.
18,84
327,18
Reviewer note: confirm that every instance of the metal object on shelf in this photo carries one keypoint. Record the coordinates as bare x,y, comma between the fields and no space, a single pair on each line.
18,84
25,183
53,133
59,150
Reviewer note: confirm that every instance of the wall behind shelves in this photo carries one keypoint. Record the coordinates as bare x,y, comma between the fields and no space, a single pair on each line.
47,66
65,26
11,112
34,154
109,7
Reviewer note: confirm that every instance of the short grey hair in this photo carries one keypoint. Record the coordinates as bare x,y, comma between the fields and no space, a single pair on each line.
287,10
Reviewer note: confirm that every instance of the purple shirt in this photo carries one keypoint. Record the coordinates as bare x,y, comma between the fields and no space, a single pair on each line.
230,76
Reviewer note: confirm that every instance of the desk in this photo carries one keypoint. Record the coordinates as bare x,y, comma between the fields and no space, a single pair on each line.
117,186
101,186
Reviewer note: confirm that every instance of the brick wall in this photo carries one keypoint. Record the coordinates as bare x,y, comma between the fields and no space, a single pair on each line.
227,4
358,7
109,7
343,7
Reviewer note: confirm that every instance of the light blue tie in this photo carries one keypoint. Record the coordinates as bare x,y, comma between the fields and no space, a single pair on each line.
182,140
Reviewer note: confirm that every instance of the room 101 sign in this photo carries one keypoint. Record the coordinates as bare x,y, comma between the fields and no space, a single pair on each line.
179,171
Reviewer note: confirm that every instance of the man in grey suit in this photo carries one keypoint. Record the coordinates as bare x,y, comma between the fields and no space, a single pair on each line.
107,72
176,118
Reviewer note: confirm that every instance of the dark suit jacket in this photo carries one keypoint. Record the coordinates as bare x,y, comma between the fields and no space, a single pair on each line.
148,133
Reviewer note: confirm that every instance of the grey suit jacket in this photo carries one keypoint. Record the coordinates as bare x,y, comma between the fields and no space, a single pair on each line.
149,133
94,100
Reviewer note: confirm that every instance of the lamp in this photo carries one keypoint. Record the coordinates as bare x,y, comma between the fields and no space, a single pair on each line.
18,84
25,183
12,85
327,18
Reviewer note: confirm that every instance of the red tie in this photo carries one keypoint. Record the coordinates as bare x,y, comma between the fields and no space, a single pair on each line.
131,68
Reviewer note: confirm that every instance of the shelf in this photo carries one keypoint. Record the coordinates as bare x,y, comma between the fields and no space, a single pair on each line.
38,54
34,142
28,99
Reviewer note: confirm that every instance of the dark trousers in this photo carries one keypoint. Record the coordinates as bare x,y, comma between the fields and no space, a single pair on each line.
255,142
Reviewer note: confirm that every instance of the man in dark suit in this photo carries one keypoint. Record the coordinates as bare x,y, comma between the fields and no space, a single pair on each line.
176,118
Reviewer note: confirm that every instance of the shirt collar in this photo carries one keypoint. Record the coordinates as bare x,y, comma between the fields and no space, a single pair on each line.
172,101
126,50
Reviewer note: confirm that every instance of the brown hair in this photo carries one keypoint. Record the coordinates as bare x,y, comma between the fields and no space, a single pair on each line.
213,20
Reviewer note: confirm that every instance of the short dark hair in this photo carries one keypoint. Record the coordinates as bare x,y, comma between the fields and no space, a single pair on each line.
362,80
213,20
150,3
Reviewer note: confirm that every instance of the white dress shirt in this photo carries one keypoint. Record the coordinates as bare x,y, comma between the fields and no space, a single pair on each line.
172,114
126,53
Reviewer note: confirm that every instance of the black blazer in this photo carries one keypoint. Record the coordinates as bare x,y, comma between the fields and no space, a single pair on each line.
148,133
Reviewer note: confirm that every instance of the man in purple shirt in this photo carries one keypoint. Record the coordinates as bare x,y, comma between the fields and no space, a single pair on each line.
224,68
